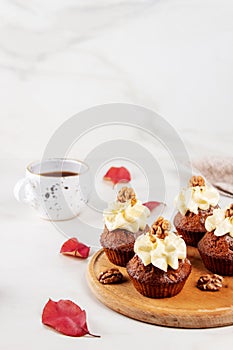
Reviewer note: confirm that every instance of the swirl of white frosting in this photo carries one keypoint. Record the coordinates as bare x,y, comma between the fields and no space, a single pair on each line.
126,216
218,223
197,197
161,253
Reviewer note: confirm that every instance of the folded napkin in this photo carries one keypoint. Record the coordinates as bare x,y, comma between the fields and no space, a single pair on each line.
218,171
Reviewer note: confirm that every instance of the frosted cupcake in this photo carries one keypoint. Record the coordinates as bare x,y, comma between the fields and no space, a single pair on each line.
194,205
159,268
125,220
216,247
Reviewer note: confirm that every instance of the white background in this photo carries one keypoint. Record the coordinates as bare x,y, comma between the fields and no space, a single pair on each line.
60,57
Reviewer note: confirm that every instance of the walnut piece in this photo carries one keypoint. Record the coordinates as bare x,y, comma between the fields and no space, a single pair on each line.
110,276
196,181
125,194
210,283
161,227
152,236
229,212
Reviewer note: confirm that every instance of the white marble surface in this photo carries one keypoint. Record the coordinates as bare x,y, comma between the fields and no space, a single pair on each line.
60,57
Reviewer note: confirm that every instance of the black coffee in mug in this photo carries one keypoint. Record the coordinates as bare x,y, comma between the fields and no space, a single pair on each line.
59,174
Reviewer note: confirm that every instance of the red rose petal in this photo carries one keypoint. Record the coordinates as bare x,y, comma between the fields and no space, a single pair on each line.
75,248
117,174
65,317
153,204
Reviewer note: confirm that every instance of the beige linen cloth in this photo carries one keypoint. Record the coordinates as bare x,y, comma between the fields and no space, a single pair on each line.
218,171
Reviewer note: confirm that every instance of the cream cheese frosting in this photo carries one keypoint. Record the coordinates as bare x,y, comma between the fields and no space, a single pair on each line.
160,252
126,216
197,197
219,223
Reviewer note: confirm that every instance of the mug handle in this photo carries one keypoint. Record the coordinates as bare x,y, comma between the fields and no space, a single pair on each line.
19,190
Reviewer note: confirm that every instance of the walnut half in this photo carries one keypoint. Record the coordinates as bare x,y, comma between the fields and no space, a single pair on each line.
210,283
125,194
196,181
110,276
161,227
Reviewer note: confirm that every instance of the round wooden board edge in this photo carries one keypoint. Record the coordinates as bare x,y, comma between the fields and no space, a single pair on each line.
159,318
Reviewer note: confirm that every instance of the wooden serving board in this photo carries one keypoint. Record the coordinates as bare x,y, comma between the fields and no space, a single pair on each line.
191,308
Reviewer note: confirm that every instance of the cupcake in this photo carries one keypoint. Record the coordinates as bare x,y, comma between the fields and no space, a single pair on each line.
159,268
216,247
194,205
125,220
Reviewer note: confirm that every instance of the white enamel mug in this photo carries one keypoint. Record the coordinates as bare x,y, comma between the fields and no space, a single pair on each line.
57,188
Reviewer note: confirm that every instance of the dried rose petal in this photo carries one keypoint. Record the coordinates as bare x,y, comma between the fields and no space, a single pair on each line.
153,204
75,248
66,317
117,174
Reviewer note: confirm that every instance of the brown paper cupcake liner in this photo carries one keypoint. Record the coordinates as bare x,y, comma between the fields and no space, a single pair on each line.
191,238
218,265
158,291
117,257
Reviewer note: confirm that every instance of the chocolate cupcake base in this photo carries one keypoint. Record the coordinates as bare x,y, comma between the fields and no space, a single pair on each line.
119,257
152,282
190,237
119,244
158,291
220,266
217,253
192,226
